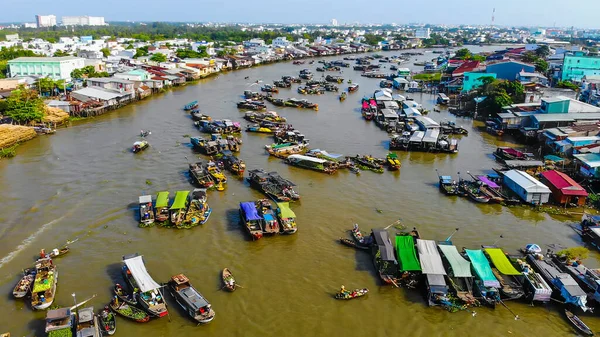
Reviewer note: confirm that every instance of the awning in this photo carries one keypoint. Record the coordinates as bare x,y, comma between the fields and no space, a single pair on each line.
407,255
382,240
250,211
431,261
140,274
501,262
482,268
180,200
144,199
437,284
488,182
162,199
284,210
460,266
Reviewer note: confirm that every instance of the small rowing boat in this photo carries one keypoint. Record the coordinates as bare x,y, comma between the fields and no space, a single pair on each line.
228,280
353,244
348,295
24,286
107,321
58,252
129,312
123,295
578,323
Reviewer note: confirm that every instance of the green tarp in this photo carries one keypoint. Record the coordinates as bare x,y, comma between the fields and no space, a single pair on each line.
285,211
180,200
482,268
407,254
460,266
501,262
162,199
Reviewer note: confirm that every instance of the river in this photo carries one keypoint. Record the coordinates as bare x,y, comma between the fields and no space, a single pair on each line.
83,182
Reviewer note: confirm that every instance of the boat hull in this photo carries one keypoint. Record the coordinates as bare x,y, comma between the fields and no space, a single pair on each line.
47,304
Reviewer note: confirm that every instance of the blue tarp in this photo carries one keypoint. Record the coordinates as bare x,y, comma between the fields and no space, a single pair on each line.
446,179
268,217
250,211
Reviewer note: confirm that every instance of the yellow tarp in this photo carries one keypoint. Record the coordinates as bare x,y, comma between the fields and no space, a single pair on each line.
501,262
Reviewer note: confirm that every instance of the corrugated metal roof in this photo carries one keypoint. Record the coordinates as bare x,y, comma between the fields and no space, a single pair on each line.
44,59
98,93
527,182
590,159
564,183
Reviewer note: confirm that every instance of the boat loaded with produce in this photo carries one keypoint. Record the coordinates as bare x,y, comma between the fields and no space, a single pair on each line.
44,286
382,253
60,322
146,290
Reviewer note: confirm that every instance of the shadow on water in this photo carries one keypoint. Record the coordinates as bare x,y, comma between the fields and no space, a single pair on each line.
234,223
38,326
113,270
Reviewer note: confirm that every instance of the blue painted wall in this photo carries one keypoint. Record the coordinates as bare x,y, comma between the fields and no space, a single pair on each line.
508,70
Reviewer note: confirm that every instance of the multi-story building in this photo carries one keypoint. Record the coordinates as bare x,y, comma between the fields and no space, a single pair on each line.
334,22
423,33
30,25
280,42
45,20
575,67
83,20
53,67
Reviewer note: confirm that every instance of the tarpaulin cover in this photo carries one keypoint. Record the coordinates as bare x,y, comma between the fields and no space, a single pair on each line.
460,266
482,268
501,262
250,211
407,255
140,274
431,261
488,182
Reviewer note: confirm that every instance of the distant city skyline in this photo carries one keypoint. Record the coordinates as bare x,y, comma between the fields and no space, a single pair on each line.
546,13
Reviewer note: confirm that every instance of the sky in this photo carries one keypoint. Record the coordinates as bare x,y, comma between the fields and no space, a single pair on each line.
545,13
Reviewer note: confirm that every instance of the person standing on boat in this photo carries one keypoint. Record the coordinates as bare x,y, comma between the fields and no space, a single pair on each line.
42,254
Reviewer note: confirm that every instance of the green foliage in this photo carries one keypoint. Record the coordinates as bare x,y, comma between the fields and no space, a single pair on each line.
541,65
436,39
24,106
529,57
574,253
50,86
60,53
9,152
14,52
567,85
463,53
428,77
372,40
105,52
87,72
129,46
3,68
158,57
479,58
142,51
542,51
202,51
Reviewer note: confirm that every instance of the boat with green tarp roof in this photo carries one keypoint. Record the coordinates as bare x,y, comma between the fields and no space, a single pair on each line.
486,285
408,262
178,208
459,273
287,218
161,207
511,280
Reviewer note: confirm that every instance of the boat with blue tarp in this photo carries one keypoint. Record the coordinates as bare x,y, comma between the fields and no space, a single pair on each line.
252,221
191,105
448,186
486,285
270,221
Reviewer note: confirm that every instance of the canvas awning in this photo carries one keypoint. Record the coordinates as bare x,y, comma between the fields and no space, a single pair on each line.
382,240
250,211
487,181
285,211
407,254
460,266
501,262
140,274
437,284
180,200
417,136
482,268
162,199
144,199
431,261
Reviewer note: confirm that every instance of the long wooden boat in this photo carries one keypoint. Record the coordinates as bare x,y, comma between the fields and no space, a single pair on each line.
316,164
353,244
459,274
536,288
368,163
60,322
129,312
271,223
146,211
123,295
273,185
356,293
107,321
384,260
286,217
511,280
44,286
58,252
252,221
233,163
146,290
217,176
357,235
409,267
578,323
473,192
286,149
161,207
198,210
448,186
199,174
191,105
23,287
178,209
87,323
486,285
228,280
196,306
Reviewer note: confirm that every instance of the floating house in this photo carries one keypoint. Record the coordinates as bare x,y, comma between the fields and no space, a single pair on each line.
589,164
529,189
564,189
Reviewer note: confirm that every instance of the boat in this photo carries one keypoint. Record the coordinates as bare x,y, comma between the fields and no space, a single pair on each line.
286,217
368,163
348,295
511,280
161,207
253,96
123,295
286,149
471,189
192,302
268,116
353,87
216,175
291,79
191,105
493,191
262,128
140,146
198,210
233,163
251,105
107,321
146,211
251,219
357,235
44,285
408,262
382,253
312,163
459,275
145,133
486,286
223,126
442,99
205,146
178,208
199,174
318,153
393,162
535,286
353,244
343,96
508,153
59,252
282,84
87,323
146,290
60,322
273,185
269,88
590,229
301,103
198,116
449,127
400,142
433,269
448,186
23,287
129,311
270,221
334,79
228,280
578,323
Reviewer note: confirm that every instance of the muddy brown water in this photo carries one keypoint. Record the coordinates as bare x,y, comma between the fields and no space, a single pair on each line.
83,183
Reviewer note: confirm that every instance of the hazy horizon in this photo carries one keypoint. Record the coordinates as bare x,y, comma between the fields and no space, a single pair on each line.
507,13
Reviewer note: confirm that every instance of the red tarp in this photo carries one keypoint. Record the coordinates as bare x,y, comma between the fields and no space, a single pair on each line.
564,183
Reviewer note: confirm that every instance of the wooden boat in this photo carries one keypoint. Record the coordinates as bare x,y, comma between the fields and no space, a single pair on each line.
252,221
384,260
578,323
508,153
60,322
23,287
368,163
145,133
216,175
198,116
471,189
145,289
161,207
251,105
44,285
353,87
270,221
348,295
58,252
258,128
486,286
286,149
87,323
286,217
146,211
273,185
357,235
107,321
393,162
123,295
129,312
311,163
199,174
343,96
459,274
511,280
198,210
191,105
448,186
353,244
228,280
178,208
269,88
282,84
190,299
268,116
301,103
140,146
233,163
534,284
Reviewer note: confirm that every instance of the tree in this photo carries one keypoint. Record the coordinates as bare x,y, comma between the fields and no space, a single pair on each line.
24,106
542,51
567,85
3,68
129,46
372,39
463,53
158,57
202,51
541,66
60,53
87,72
105,52
574,253
142,51
529,57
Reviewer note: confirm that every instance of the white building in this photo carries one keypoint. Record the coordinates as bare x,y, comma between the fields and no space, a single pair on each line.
334,22
254,43
45,20
280,42
30,25
83,20
423,33
12,37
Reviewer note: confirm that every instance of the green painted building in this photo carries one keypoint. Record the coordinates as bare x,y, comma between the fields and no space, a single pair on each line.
474,80
58,68
575,67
